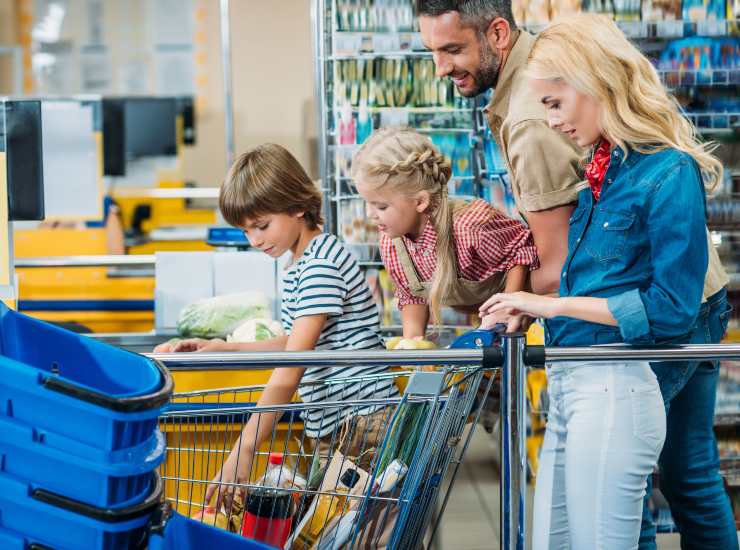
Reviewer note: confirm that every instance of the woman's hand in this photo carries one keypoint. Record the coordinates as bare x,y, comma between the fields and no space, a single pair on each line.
515,304
221,485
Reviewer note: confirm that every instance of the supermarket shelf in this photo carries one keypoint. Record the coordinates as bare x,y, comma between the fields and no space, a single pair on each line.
714,122
432,131
401,54
700,77
729,468
371,44
431,110
725,420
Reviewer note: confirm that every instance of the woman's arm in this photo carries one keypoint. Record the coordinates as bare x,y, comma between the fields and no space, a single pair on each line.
594,310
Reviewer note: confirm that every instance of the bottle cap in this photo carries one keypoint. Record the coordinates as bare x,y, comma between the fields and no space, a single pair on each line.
276,458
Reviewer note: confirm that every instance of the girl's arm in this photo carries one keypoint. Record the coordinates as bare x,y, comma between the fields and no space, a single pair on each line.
517,278
280,389
414,320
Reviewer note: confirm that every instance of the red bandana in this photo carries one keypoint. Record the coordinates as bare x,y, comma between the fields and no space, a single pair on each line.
596,169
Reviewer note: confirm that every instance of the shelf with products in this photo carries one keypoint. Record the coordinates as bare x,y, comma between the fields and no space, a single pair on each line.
371,44
677,78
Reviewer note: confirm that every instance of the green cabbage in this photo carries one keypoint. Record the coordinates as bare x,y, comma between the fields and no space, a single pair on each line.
218,317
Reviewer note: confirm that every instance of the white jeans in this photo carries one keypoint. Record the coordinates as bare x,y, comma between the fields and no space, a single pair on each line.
605,428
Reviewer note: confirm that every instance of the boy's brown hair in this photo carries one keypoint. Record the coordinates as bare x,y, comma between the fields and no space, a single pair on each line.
268,180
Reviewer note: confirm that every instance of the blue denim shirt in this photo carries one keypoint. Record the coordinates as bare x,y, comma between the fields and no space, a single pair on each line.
643,246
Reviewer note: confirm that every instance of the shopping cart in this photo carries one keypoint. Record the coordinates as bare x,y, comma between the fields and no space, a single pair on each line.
372,481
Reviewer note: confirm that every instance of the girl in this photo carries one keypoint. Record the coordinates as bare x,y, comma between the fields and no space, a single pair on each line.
635,271
437,252
326,305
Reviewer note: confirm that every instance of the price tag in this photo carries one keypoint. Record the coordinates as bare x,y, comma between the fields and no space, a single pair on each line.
669,29
347,43
711,27
384,43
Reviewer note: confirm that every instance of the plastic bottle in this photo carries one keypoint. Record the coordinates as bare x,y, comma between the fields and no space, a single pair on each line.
268,515
364,123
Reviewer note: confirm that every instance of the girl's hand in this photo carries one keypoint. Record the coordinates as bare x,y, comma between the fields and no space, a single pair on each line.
518,303
200,344
229,474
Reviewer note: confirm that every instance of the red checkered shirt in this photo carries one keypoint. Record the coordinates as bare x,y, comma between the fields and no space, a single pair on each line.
487,242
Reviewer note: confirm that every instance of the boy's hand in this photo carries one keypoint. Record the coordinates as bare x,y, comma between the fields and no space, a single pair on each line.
166,347
221,485
200,345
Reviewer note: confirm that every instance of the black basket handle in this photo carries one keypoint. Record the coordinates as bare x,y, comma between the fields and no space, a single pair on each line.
135,403
108,515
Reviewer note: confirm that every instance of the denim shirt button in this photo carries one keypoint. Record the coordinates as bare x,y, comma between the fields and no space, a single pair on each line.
606,224
563,275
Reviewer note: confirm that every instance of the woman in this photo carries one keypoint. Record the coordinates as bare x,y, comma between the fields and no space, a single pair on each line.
635,270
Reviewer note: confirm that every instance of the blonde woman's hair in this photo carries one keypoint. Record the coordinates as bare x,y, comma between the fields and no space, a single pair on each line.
590,53
410,163
268,180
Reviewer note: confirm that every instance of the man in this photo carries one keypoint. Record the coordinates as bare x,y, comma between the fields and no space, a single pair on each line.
476,43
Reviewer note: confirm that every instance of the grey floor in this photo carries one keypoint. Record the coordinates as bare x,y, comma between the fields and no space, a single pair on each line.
471,521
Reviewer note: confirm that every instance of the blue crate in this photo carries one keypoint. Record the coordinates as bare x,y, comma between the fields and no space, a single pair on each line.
176,532
69,384
39,517
75,470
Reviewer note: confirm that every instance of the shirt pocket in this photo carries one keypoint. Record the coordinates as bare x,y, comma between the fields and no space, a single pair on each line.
575,226
608,234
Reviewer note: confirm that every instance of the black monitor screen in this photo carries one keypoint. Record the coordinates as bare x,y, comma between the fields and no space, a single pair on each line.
150,127
186,106
114,138
24,160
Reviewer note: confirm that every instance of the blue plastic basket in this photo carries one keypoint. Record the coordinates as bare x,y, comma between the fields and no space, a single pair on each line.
73,469
38,517
69,384
176,532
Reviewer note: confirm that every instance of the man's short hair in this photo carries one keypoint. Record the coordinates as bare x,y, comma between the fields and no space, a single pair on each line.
473,13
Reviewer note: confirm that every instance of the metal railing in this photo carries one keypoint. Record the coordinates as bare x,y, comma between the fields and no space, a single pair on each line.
512,358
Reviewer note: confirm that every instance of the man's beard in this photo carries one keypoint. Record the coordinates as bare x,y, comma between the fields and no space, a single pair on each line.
486,76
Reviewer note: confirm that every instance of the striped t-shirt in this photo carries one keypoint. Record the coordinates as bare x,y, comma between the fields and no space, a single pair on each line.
327,280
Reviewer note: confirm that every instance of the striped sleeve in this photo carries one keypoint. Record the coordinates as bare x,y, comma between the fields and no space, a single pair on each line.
321,289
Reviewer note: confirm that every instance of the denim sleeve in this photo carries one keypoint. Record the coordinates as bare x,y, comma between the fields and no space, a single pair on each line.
677,234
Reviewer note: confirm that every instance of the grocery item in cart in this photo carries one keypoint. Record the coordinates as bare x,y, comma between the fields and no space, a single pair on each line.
342,478
268,516
218,317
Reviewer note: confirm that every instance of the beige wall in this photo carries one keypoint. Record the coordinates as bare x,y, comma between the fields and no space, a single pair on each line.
272,72
8,23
